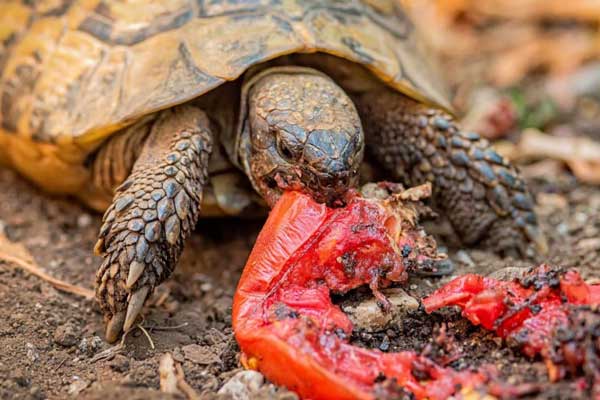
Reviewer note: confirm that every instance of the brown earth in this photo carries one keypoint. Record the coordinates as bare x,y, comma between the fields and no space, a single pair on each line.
48,339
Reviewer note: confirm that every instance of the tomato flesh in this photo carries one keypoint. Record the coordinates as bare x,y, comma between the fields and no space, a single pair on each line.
284,319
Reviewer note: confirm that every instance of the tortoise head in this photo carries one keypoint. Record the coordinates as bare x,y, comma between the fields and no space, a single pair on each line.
301,132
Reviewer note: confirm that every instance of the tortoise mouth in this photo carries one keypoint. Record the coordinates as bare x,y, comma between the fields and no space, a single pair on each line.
329,188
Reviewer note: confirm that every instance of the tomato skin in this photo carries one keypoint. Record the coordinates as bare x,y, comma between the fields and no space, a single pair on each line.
291,223
575,289
284,365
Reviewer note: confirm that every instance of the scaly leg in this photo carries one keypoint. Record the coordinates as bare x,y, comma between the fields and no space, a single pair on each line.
152,214
482,194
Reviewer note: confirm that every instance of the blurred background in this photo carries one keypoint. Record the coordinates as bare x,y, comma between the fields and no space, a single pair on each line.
526,72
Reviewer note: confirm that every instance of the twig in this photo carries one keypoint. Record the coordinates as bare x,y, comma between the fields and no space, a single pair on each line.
145,332
167,375
189,391
108,353
172,378
61,364
57,283
163,297
166,328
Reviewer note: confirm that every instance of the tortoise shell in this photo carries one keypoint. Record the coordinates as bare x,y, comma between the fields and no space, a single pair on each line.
72,72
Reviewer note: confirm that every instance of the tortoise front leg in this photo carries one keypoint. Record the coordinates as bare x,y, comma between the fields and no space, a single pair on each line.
152,214
481,193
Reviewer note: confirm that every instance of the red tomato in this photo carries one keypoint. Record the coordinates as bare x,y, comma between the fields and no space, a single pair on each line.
286,324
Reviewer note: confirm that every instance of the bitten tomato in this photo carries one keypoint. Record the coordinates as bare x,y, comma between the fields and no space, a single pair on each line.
283,317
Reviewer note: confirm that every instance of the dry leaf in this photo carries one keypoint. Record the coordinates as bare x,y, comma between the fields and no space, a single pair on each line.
203,355
586,171
543,169
535,144
504,41
580,153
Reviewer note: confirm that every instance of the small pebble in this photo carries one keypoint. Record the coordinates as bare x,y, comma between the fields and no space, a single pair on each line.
369,316
77,386
385,344
84,220
66,335
120,363
562,229
32,353
90,346
464,258
242,385
206,287
508,273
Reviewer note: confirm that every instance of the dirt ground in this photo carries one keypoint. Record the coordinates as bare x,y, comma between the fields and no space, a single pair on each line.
51,343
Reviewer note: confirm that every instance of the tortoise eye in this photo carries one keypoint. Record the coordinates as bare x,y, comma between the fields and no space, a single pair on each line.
284,149
286,152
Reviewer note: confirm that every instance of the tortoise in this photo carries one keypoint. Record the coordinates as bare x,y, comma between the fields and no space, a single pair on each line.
160,112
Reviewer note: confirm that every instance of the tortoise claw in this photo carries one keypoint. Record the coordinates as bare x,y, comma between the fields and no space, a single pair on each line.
123,321
135,271
136,303
115,327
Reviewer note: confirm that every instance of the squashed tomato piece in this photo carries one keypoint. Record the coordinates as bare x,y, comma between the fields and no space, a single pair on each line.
534,312
283,317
